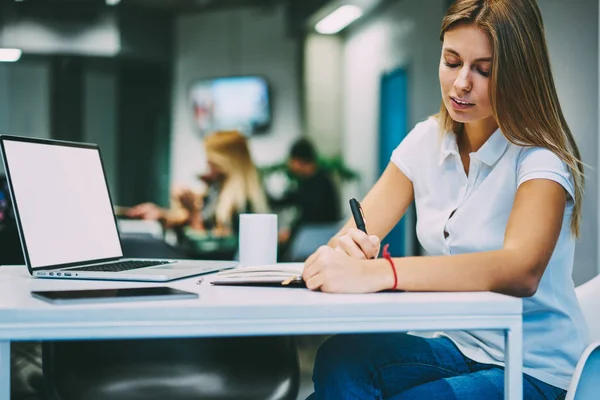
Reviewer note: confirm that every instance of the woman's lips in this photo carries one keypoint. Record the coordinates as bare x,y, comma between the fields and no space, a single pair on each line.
460,105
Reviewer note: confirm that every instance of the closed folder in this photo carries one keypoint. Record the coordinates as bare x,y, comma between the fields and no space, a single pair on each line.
276,275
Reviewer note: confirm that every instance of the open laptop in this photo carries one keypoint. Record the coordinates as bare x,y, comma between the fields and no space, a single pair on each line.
66,220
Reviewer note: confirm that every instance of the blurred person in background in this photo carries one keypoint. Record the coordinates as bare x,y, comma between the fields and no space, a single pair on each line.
233,187
314,194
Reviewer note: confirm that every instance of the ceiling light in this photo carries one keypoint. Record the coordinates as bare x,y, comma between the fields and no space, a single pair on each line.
338,19
10,55
112,2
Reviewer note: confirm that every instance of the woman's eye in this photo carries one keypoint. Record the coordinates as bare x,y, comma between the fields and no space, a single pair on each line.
451,65
484,73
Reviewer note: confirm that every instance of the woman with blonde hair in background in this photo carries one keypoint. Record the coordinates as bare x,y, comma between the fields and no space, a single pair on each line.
498,185
233,187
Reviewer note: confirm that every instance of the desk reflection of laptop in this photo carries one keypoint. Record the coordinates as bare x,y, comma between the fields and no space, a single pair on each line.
65,216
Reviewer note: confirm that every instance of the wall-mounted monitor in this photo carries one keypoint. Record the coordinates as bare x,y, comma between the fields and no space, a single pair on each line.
241,103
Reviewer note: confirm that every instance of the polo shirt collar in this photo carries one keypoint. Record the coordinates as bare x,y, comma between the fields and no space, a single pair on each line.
493,148
489,153
448,146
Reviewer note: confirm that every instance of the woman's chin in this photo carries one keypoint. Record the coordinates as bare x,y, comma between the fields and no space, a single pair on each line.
460,116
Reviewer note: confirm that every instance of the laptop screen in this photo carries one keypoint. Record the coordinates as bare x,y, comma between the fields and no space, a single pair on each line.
62,201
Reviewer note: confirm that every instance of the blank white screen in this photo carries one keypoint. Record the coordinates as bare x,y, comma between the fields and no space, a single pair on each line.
63,203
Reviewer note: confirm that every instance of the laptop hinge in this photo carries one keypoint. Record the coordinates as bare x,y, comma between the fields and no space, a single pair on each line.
77,264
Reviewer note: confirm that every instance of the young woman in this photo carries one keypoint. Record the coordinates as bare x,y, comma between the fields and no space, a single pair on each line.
233,186
498,184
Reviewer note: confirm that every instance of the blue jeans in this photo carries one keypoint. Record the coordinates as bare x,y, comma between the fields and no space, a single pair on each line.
399,366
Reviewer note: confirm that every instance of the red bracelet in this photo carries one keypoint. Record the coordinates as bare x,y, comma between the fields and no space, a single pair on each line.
387,256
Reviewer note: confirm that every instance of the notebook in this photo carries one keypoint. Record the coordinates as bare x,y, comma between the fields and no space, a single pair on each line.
65,217
275,275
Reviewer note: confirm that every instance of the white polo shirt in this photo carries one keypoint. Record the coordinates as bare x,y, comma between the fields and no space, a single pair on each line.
554,330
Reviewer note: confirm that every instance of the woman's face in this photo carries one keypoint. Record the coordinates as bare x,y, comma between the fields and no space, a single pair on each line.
465,69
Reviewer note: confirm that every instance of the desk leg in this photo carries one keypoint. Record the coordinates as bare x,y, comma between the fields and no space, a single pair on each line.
4,370
513,372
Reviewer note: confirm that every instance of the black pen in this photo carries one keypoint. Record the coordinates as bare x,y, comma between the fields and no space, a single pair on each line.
357,213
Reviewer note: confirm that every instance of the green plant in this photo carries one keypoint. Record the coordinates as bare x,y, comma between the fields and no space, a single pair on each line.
333,165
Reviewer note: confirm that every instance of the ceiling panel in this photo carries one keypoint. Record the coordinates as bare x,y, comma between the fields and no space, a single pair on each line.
171,6
199,5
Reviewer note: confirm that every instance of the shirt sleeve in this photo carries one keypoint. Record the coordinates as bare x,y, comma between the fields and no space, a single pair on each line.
541,163
406,155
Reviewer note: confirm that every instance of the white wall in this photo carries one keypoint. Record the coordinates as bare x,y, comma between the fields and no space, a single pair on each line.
405,34
25,99
323,101
234,42
572,35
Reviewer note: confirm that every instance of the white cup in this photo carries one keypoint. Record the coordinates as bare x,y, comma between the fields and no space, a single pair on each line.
258,239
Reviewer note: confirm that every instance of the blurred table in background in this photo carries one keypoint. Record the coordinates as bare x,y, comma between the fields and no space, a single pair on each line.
140,227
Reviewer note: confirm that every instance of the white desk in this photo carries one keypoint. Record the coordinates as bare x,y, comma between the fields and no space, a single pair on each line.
239,311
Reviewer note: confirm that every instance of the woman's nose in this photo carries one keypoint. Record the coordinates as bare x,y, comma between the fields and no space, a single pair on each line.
463,81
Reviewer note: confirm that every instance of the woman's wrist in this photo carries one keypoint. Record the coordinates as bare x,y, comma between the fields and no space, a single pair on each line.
379,274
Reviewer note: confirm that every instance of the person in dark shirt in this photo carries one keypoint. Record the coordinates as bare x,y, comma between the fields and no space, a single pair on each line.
315,194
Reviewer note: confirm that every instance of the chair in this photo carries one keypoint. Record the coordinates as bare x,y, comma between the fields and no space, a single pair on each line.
585,384
26,376
308,238
174,369
588,295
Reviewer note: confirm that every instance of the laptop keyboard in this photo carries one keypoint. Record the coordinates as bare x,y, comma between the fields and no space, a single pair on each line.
121,266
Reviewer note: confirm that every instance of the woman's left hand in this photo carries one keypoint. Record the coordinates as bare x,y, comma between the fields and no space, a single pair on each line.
334,271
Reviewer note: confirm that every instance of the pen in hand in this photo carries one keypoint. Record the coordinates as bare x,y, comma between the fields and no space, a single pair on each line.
357,213
359,218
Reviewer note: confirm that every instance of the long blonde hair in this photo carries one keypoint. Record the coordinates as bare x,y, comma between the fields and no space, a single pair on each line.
523,96
228,151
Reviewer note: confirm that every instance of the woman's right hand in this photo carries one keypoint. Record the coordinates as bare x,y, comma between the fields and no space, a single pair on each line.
358,244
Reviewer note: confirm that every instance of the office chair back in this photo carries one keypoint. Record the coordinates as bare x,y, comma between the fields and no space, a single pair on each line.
174,369
588,295
585,384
